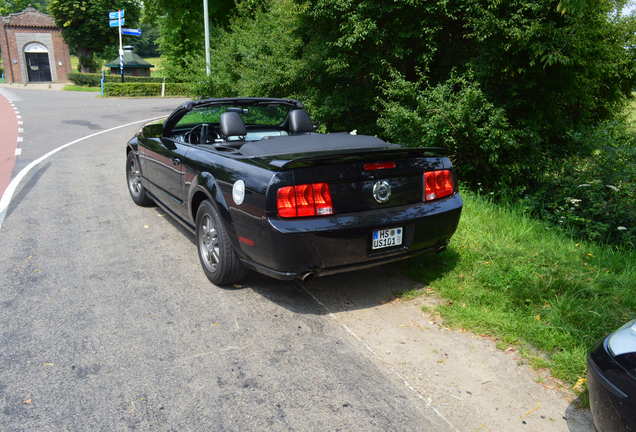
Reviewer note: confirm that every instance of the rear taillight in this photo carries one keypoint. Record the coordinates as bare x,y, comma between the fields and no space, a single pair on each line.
304,200
437,184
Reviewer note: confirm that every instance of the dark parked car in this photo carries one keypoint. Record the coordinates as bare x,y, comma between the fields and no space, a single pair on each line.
612,381
261,190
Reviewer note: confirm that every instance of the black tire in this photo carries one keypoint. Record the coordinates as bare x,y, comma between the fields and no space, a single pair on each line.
219,260
133,180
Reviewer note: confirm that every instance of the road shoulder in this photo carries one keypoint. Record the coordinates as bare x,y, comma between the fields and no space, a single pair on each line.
8,141
466,377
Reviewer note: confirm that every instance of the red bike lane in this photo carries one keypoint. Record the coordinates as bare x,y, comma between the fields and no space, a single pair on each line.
8,142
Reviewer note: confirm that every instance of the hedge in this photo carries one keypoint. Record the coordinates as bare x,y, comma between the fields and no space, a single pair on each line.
93,79
146,89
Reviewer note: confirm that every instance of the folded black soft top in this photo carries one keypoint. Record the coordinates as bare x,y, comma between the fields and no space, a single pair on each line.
312,143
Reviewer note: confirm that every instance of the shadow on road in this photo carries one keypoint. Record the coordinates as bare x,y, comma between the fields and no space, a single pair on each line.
360,289
24,190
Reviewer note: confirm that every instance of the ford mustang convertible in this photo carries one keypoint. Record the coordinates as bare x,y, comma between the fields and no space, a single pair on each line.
261,190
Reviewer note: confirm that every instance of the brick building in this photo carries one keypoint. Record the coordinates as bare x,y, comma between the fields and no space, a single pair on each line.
33,49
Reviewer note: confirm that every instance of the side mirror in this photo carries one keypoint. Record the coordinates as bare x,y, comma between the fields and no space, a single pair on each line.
152,130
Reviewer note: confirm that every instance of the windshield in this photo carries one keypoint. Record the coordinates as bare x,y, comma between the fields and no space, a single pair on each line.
252,115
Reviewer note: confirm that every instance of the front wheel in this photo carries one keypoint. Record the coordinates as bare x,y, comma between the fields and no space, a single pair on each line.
133,178
218,258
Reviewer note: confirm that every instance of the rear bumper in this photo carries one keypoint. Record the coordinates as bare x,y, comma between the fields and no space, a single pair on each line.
282,275
293,248
612,392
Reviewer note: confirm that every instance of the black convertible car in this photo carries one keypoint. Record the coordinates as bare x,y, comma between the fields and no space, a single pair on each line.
261,190
612,381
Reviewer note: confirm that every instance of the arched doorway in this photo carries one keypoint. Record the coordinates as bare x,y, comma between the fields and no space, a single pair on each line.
37,62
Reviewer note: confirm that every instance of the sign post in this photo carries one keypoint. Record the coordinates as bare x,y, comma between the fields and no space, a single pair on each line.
116,19
121,48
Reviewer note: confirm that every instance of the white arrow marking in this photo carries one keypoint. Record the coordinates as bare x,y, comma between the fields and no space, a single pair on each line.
8,193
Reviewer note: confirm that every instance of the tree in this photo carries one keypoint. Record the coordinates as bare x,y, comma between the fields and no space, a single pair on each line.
181,25
85,27
504,85
147,44
12,6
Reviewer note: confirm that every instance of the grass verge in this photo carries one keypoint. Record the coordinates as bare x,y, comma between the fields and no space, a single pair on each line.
72,87
530,285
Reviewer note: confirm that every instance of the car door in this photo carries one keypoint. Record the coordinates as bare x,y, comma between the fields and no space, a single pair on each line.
162,167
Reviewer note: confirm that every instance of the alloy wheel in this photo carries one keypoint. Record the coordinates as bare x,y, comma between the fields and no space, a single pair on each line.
209,243
134,177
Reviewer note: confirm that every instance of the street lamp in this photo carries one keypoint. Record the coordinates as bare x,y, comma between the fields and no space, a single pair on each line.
206,26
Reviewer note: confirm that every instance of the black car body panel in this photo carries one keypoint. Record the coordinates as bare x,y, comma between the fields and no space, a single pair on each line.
180,174
612,390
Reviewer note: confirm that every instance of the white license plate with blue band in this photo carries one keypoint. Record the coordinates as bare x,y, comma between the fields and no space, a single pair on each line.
385,238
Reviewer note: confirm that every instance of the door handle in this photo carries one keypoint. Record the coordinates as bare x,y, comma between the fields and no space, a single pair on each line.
176,161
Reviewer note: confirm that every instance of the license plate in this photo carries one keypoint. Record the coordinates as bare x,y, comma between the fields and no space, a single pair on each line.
385,238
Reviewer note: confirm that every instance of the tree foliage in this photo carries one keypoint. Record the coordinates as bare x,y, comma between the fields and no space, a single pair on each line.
12,6
85,27
257,56
181,25
506,86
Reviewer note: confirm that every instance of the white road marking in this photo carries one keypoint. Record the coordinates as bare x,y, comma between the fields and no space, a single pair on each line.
8,193
18,151
426,399
18,117
20,122
9,95
20,139
20,130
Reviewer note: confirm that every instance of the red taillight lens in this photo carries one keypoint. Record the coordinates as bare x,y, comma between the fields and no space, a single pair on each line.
322,199
437,184
304,200
286,202
372,166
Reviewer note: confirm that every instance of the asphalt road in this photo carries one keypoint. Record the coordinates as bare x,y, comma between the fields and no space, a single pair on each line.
107,322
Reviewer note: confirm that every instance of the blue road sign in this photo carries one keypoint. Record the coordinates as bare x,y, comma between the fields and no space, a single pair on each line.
116,14
115,22
131,32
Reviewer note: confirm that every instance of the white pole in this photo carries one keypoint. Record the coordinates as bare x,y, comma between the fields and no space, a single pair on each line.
121,49
206,26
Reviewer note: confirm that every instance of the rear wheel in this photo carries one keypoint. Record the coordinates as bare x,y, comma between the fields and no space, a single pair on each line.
219,260
133,178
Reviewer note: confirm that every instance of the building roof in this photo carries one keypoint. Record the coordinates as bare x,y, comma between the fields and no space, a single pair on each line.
131,60
29,17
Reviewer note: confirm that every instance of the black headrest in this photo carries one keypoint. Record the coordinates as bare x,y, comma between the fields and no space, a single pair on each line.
232,124
299,122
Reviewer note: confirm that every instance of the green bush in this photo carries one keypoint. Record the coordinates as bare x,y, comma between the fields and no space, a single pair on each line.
513,89
457,115
178,89
93,80
132,89
145,89
594,195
